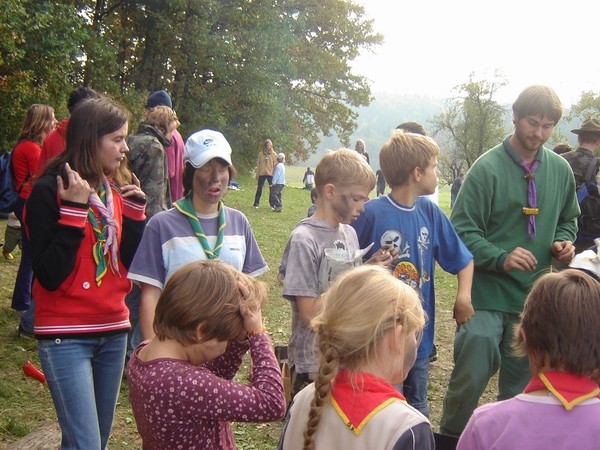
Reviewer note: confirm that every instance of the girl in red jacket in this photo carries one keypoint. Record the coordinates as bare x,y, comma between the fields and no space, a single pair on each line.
38,122
85,217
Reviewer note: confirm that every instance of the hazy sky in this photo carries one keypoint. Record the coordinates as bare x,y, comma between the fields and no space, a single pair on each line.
433,45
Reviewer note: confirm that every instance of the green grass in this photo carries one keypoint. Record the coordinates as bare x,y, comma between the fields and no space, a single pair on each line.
26,405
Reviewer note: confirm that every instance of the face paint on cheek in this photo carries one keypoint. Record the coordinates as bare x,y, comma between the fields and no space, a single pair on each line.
343,208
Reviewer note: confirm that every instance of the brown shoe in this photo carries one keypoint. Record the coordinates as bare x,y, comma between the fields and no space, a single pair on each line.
8,255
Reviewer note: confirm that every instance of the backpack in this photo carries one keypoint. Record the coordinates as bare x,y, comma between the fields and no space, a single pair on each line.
588,197
8,194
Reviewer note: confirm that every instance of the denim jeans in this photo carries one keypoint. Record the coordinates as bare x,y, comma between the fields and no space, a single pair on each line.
21,299
132,300
414,387
259,187
84,377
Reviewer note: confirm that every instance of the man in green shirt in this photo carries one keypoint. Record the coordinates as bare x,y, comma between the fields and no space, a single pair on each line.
517,209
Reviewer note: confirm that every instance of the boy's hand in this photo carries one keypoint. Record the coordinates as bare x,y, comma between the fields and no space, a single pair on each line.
463,309
384,256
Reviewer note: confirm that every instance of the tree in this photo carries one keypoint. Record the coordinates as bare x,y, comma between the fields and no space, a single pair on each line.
252,69
587,107
472,122
40,55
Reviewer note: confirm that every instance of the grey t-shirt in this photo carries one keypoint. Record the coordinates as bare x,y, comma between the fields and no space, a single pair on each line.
309,272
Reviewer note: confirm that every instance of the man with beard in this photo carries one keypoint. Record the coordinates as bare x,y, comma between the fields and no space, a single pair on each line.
517,209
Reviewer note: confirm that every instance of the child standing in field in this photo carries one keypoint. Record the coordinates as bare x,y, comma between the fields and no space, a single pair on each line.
368,334
421,234
560,407
181,385
277,184
322,246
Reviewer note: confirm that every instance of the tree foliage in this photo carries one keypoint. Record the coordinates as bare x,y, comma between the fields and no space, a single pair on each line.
251,68
40,54
587,107
471,122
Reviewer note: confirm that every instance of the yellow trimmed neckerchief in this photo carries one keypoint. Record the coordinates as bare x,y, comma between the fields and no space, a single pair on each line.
357,397
569,389
186,207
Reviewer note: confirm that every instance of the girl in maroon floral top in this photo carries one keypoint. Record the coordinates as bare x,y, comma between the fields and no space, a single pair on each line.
181,384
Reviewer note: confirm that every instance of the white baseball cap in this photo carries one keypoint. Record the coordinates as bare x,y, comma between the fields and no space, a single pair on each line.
205,145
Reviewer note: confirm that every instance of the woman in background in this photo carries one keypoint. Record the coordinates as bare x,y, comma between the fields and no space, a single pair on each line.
39,121
361,149
85,217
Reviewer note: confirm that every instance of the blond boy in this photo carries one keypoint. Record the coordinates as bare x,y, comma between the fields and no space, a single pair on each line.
321,247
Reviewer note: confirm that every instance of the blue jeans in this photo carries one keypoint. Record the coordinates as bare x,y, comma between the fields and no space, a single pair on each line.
21,299
259,187
414,388
84,377
132,300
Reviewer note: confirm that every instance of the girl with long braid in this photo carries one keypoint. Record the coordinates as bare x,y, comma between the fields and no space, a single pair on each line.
368,334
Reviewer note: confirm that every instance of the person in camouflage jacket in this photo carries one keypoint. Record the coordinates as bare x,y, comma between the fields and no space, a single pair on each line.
147,157
588,138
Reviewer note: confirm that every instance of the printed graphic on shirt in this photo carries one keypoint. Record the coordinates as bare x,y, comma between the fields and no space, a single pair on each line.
394,238
423,243
404,267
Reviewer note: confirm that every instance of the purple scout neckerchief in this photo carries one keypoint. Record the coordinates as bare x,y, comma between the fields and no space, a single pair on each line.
532,211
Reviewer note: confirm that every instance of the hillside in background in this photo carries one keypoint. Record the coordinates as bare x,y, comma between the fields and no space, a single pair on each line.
386,111
376,121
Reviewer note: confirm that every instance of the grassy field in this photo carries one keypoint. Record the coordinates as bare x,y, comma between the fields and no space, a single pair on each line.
25,404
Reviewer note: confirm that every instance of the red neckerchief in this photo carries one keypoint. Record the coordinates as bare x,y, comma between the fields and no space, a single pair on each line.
569,389
358,397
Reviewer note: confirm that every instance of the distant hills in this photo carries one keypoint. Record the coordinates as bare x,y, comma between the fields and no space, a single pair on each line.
386,111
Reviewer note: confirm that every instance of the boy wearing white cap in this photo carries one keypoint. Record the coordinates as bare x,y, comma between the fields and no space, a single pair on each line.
277,184
199,226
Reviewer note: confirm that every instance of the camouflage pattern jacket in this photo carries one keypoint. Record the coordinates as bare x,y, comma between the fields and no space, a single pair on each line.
148,160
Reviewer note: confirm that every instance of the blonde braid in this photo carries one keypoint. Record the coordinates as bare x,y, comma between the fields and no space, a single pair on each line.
328,369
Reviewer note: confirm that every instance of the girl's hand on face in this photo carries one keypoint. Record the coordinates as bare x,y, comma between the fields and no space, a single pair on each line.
133,190
77,189
250,309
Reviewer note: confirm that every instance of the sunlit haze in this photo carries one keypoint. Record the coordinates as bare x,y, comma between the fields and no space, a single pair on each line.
432,46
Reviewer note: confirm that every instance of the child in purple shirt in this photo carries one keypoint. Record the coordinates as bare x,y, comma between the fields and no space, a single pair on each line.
560,407
181,384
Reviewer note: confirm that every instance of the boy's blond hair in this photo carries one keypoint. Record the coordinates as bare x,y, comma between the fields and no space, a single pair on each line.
344,168
402,153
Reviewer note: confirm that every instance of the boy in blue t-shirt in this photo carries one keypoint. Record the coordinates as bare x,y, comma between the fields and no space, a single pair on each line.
422,234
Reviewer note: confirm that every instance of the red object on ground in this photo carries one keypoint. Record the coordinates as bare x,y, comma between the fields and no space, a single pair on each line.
31,371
